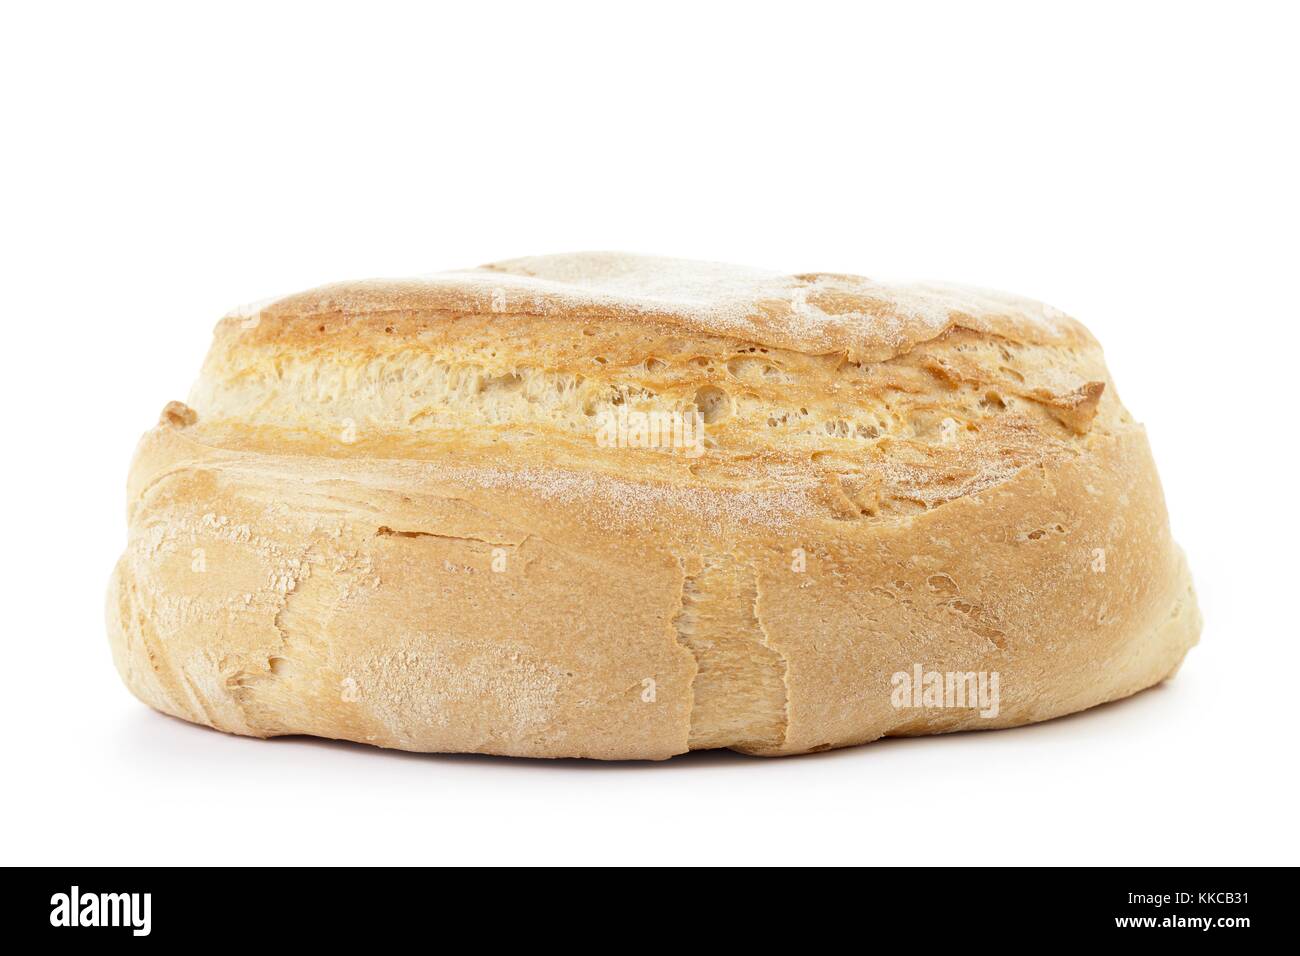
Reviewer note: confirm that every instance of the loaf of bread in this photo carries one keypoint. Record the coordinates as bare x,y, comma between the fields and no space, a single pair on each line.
618,507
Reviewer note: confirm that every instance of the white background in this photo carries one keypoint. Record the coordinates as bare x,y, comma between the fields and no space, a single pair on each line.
1133,164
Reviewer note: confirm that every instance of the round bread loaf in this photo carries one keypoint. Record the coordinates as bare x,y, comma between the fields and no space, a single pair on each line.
618,507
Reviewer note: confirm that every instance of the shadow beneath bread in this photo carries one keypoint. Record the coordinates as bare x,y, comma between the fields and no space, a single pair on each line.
695,758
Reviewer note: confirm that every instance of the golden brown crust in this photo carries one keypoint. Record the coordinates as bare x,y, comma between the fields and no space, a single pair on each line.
386,515
813,313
